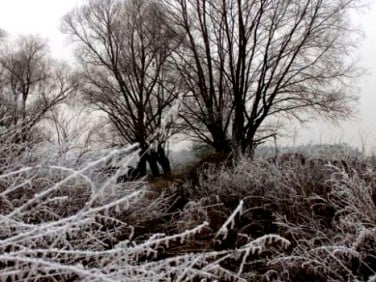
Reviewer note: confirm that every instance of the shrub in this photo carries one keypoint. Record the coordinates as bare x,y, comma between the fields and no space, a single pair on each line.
324,207
62,224
261,220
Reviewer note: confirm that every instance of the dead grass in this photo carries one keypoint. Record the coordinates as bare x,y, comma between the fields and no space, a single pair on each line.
324,208
320,205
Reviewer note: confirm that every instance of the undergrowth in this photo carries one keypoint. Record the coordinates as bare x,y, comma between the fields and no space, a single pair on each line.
293,218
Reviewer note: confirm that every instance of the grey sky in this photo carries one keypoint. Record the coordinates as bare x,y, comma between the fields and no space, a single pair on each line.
37,17
43,17
362,128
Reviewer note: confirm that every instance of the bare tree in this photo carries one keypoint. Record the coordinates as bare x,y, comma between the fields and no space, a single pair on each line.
246,63
124,47
3,103
32,85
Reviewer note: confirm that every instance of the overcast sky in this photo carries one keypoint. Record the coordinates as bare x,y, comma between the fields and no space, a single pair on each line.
43,17
37,17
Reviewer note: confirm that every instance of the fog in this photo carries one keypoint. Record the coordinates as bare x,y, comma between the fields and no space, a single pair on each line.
359,130
43,17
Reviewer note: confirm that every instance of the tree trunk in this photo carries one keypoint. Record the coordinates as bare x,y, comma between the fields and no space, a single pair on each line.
141,166
249,145
238,127
152,160
164,161
221,144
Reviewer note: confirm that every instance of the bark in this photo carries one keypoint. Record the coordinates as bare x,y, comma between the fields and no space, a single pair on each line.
164,161
153,164
154,159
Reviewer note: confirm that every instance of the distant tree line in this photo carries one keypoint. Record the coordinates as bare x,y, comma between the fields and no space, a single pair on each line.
220,72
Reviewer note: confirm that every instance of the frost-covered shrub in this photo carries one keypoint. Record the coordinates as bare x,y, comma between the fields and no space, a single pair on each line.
325,207
289,219
64,223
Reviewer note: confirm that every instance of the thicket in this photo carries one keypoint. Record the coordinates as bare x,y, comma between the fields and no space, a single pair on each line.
292,218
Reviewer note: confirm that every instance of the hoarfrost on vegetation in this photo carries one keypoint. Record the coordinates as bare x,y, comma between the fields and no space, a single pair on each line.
60,223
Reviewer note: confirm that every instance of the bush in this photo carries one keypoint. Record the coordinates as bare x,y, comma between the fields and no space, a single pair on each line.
293,218
325,208
61,223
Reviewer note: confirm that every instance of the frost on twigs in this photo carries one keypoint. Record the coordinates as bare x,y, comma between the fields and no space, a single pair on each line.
230,222
168,119
59,223
311,221
54,217
92,243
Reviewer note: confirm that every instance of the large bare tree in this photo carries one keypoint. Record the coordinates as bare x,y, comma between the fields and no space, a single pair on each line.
33,84
246,63
124,49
